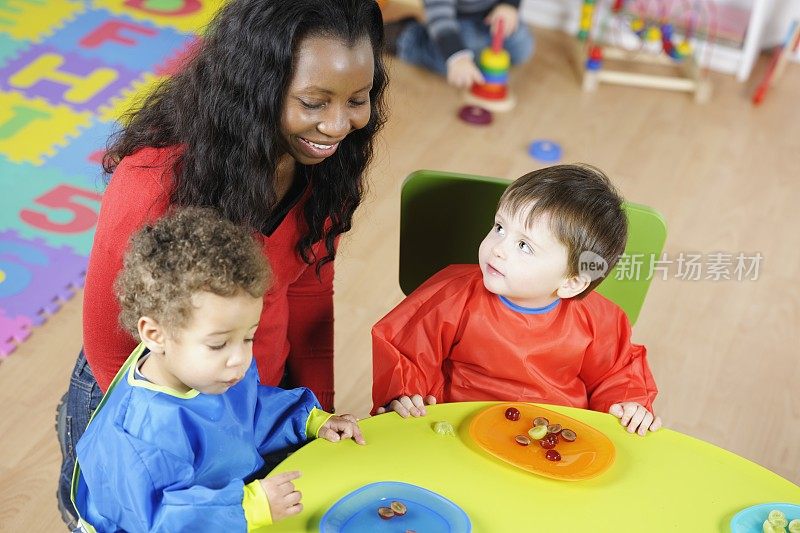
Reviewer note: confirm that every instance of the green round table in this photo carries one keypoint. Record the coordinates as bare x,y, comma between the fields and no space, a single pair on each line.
665,481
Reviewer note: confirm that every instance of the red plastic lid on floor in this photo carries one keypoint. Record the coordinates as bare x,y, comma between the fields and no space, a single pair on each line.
475,115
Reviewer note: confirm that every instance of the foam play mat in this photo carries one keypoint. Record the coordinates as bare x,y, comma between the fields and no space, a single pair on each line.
68,70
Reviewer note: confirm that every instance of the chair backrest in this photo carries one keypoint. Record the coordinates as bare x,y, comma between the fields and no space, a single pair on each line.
444,216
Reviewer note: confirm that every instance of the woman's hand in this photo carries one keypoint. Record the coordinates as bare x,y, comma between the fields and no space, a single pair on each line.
341,428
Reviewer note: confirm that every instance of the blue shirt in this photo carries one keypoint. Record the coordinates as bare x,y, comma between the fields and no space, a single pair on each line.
153,459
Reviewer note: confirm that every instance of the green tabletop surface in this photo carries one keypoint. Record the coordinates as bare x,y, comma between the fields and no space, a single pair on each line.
665,481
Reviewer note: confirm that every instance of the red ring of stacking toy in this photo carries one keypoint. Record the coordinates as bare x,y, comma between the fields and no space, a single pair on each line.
490,91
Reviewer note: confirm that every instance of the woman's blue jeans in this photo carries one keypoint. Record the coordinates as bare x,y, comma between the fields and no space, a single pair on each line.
78,404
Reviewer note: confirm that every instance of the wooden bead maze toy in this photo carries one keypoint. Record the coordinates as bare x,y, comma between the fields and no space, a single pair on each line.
652,48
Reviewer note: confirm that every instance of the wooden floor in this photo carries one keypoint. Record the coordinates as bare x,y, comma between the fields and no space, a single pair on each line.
725,354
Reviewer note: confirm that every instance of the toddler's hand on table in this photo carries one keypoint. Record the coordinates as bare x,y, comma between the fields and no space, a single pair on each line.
341,428
635,417
405,405
284,500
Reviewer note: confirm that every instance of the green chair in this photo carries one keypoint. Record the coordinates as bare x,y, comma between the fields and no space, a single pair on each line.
444,216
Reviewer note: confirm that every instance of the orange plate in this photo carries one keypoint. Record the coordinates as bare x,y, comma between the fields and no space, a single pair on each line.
586,457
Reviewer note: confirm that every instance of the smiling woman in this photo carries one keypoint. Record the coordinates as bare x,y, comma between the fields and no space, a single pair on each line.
272,123
325,102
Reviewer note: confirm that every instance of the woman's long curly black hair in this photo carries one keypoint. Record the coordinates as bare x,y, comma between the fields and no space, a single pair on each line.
224,109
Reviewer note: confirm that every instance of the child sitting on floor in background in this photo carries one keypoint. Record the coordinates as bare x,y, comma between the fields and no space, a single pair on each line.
524,324
454,34
177,441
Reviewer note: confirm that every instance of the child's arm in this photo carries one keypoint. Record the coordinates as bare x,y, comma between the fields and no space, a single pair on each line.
442,25
410,344
285,418
407,359
443,28
274,497
615,370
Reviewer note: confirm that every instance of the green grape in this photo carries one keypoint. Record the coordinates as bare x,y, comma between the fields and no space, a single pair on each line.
777,518
537,432
769,528
794,526
444,428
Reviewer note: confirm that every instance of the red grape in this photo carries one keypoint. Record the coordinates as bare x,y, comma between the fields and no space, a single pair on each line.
547,442
552,455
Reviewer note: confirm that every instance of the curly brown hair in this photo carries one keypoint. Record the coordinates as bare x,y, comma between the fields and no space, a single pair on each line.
189,250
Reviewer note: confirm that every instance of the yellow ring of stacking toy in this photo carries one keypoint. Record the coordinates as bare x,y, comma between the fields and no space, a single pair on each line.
495,61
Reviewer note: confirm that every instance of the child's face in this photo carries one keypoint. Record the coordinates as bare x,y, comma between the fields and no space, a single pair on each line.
527,265
327,98
214,350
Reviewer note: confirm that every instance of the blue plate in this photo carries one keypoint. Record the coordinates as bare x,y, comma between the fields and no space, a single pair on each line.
751,519
427,511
